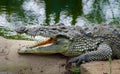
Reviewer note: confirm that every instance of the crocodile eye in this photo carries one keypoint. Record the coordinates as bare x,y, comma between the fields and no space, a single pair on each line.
86,29
41,30
54,29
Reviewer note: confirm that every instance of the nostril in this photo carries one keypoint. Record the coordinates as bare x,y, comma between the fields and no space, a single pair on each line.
18,50
23,49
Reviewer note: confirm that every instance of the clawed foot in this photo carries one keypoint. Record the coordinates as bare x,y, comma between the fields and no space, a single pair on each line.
77,60
74,63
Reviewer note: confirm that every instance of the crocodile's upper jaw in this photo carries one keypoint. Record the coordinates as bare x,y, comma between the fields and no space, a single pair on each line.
57,44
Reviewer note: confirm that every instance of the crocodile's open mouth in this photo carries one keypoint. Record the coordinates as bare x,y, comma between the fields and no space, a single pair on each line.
47,42
55,44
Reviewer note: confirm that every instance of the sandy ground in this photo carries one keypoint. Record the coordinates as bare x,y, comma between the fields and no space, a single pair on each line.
101,67
13,63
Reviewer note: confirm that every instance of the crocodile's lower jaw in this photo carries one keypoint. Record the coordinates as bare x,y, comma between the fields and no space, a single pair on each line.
29,50
45,43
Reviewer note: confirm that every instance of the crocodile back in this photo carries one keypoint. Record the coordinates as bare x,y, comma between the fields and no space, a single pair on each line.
108,34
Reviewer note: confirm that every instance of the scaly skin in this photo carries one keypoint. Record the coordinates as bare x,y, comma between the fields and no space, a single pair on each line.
50,31
96,43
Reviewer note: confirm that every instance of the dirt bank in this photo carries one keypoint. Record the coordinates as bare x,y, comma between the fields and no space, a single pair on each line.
13,63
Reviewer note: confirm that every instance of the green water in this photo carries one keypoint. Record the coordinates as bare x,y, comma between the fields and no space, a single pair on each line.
73,7
37,12
11,6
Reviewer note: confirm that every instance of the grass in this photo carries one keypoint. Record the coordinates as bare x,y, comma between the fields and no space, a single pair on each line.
110,62
75,70
4,32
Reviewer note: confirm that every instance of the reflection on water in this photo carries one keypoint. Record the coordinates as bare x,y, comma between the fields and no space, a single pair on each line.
39,12
73,7
11,6
34,11
48,12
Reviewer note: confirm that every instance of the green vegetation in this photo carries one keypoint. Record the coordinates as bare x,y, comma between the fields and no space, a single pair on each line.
110,62
75,70
96,15
4,32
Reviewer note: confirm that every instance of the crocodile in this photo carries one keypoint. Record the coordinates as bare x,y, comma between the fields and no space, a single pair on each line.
95,43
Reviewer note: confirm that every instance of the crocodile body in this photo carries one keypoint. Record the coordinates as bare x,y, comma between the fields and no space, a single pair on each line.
87,44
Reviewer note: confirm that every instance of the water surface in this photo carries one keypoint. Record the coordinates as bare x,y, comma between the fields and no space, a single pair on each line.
15,13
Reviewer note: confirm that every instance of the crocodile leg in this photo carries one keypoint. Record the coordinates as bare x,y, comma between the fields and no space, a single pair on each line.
102,53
